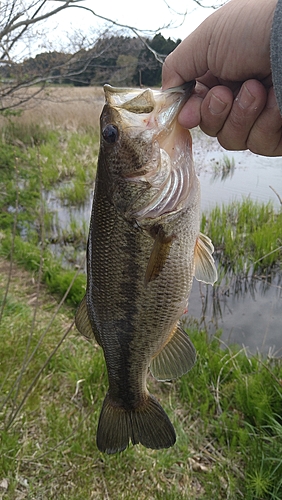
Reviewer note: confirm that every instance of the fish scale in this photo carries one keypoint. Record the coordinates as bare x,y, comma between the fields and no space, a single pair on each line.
140,267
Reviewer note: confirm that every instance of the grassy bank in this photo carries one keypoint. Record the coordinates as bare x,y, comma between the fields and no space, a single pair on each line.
226,411
38,163
227,414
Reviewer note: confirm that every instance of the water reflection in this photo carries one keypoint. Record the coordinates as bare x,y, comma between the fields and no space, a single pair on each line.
64,216
223,169
252,177
248,310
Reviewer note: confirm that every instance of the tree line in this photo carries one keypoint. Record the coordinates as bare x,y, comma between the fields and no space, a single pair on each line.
118,60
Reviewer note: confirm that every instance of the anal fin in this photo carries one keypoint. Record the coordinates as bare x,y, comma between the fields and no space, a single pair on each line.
83,324
176,358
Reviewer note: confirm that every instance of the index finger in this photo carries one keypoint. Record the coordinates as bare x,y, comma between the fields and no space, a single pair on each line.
187,62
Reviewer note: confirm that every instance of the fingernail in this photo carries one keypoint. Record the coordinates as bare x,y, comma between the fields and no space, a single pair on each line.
245,98
216,105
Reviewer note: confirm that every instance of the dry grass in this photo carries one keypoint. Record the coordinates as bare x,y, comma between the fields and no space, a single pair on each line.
70,108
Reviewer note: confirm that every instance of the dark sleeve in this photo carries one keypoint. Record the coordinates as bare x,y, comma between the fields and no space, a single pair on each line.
276,53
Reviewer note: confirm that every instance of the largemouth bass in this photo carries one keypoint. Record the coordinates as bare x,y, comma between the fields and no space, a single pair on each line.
144,249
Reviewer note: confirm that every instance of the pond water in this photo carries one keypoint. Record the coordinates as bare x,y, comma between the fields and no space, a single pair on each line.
251,177
65,214
248,311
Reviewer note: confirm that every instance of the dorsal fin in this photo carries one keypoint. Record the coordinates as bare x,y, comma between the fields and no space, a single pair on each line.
205,269
176,358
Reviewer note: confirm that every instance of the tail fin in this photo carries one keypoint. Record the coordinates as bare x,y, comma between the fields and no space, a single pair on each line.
147,424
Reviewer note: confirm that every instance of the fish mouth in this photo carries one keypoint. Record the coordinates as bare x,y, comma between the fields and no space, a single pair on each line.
153,114
141,101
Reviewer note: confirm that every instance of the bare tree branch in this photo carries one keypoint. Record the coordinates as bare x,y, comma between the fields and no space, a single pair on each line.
212,6
136,31
17,21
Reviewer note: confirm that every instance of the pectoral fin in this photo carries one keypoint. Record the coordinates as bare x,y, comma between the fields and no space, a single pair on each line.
83,324
205,269
159,254
176,358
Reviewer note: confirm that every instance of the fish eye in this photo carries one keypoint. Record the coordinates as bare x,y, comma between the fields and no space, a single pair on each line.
110,133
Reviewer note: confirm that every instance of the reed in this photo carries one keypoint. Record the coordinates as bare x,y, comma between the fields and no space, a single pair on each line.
246,236
224,168
69,108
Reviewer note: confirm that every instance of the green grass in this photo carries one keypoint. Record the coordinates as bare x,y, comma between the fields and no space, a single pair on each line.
50,159
62,162
37,260
226,411
246,235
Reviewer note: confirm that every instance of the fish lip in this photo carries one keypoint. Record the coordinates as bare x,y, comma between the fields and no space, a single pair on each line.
180,96
186,88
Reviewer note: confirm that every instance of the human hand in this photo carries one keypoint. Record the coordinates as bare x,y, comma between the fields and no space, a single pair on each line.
229,55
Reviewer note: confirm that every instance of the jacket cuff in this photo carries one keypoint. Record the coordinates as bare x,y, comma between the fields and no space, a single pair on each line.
276,53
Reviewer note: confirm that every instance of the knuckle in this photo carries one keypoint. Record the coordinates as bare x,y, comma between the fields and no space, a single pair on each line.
237,121
231,145
232,139
267,146
265,136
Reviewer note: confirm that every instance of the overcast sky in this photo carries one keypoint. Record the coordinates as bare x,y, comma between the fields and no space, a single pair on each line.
143,15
